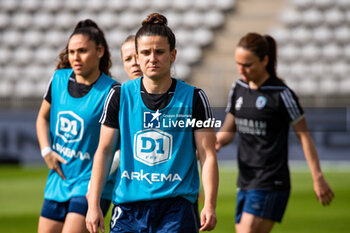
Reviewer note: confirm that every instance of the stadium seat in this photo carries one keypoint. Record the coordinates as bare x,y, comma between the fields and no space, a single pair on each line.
344,86
340,68
203,5
343,4
138,5
289,52
21,20
5,55
22,55
203,36
34,31
312,17
116,37
182,5
6,88
55,38
25,88
180,71
53,5
346,52
192,19
117,6
302,4
324,4
32,38
322,35
310,52
45,55
332,52
342,34
334,17
307,87
301,34
189,54
160,5
282,35
4,20
213,19
93,5
43,20
174,19
224,5
9,5
82,15
130,19
64,20
328,86
11,72
73,5
183,37
290,17
30,5
300,70
107,20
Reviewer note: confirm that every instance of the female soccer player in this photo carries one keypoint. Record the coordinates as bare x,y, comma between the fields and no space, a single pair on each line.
261,108
133,70
157,181
128,53
71,111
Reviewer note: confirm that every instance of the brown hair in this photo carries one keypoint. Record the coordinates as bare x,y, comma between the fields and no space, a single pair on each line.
156,25
88,28
261,46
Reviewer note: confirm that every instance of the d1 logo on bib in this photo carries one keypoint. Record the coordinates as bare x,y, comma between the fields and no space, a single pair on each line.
70,126
152,146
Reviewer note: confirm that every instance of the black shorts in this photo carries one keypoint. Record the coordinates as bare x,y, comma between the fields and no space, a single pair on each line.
58,210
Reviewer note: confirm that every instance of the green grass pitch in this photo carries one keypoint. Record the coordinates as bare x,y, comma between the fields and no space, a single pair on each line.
21,196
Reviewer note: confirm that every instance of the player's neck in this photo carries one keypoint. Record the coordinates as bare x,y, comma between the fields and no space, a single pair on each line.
157,86
88,79
255,84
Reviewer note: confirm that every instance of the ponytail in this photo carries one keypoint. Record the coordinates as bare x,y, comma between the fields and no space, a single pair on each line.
88,28
261,46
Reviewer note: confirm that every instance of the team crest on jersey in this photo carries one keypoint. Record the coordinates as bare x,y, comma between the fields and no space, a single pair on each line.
260,102
70,127
152,146
239,103
151,119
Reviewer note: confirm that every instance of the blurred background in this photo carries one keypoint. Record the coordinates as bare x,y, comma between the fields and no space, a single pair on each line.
313,58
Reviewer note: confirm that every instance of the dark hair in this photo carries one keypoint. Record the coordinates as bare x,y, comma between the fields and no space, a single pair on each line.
156,25
130,38
88,28
261,46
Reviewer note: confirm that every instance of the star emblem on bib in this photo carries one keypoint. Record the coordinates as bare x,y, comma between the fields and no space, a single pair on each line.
156,115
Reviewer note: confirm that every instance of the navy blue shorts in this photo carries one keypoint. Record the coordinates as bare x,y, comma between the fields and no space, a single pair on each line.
265,203
58,210
163,215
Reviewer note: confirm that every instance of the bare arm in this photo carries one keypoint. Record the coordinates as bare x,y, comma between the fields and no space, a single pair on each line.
100,169
205,142
322,189
52,159
227,132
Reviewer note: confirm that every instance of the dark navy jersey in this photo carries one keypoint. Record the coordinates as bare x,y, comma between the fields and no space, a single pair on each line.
201,107
262,119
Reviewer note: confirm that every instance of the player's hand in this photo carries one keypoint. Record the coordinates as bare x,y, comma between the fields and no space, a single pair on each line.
323,191
217,146
94,219
208,219
52,160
